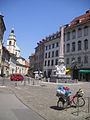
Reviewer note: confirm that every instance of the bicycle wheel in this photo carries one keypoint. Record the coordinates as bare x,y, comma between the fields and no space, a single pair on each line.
79,101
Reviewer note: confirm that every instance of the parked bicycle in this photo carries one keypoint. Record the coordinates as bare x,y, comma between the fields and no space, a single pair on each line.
77,99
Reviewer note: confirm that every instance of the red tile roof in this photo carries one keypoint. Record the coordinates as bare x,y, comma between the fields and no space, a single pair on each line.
80,19
26,63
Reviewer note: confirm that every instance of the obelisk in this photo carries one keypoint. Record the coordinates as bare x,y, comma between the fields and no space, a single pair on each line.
61,69
61,54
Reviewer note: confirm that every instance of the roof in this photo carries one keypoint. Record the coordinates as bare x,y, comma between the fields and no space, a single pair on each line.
79,19
26,63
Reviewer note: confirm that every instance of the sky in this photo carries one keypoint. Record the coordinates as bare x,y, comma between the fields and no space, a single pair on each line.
33,20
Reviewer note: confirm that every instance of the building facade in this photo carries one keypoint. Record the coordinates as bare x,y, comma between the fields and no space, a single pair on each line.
77,45
31,64
39,56
12,64
51,53
17,63
76,49
2,30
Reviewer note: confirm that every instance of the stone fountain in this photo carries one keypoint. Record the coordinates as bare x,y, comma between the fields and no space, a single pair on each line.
59,73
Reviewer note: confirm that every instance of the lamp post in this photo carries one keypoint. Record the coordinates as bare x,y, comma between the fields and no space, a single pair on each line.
74,69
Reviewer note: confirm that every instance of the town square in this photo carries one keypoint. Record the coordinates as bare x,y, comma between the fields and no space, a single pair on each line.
45,60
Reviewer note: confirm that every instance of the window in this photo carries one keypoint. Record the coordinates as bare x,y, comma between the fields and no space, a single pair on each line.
67,61
79,59
56,62
53,45
68,36
14,43
86,44
85,30
79,45
49,46
56,53
52,53
73,46
46,47
68,47
79,32
45,55
9,42
85,59
57,44
73,34
49,55
52,62
45,62
48,62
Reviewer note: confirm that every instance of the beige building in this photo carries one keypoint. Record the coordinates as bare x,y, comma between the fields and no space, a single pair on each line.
17,63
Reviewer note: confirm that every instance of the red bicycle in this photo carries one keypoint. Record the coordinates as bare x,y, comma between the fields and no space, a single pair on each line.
77,99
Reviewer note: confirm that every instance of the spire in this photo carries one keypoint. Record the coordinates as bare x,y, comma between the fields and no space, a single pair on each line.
1,14
12,31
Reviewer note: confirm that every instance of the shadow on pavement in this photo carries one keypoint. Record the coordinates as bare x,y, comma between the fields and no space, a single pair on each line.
56,108
61,108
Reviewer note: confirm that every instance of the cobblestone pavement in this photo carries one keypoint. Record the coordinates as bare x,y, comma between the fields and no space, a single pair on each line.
41,97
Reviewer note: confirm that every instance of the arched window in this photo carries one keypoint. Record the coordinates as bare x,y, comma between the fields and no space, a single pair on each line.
57,53
79,45
67,61
73,46
68,47
79,59
85,44
56,62
79,32
73,34
68,36
52,62
9,42
85,30
85,59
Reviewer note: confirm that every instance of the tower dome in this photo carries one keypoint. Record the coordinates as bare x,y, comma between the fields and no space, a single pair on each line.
11,42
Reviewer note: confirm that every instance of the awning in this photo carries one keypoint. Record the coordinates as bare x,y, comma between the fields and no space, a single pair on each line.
84,71
67,70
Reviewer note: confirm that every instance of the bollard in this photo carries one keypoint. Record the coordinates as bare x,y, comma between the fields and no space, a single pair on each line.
28,80
24,82
3,82
33,81
78,106
15,84
88,104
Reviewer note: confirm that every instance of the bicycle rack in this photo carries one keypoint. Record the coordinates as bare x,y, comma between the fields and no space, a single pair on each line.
86,107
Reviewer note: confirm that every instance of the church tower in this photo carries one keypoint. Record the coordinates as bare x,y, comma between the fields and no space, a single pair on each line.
11,42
